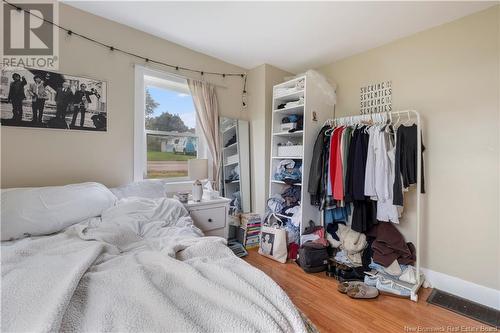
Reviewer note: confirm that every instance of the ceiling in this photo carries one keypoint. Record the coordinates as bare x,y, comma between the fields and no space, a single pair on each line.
294,36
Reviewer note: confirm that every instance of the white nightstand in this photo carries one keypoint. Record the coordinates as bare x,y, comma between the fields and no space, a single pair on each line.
211,216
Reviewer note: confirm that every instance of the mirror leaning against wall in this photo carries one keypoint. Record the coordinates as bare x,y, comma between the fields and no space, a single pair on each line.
235,180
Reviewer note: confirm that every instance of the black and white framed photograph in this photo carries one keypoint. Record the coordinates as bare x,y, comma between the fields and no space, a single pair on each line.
267,243
44,99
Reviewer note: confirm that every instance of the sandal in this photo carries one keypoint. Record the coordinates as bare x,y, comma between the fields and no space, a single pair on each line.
362,291
344,287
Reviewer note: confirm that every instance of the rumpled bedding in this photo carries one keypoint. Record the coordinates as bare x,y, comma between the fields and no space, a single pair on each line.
142,266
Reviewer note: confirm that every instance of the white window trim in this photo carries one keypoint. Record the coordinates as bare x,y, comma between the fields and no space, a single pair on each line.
140,143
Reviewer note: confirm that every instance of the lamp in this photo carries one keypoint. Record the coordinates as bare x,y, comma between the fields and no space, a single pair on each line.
197,169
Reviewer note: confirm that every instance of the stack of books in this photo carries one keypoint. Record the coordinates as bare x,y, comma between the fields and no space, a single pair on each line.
249,231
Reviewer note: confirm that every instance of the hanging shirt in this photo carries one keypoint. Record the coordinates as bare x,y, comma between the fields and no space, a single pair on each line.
406,162
334,151
346,141
330,164
373,141
384,178
359,166
349,183
316,169
338,185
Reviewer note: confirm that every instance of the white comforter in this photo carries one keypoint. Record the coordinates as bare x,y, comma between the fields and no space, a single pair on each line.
142,267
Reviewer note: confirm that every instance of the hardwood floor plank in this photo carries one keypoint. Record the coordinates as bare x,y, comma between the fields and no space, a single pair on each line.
317,297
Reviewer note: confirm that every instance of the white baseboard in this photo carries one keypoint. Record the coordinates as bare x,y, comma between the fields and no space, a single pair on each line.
469,290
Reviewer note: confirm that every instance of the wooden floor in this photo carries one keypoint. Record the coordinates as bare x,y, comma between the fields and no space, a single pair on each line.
317,297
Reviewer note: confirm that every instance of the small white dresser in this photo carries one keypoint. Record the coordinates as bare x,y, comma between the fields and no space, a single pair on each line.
211,216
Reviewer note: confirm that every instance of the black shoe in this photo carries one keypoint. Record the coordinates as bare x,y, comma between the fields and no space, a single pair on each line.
351,274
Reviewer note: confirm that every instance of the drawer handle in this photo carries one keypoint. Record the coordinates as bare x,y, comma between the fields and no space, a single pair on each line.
209,220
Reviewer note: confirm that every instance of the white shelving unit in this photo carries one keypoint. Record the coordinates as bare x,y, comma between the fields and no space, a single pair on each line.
315,112
236,155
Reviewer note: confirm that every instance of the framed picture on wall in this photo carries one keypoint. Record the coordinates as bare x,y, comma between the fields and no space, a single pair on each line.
44,99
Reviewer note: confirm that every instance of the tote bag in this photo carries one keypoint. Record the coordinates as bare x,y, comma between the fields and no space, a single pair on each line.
273,243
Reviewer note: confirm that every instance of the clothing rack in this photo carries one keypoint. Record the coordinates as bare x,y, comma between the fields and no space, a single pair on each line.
383,117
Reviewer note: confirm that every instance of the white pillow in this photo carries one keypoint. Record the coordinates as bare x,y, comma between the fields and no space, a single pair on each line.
45,210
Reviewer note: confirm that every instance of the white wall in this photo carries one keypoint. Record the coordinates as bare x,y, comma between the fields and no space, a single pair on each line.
451,75
34,157
260,88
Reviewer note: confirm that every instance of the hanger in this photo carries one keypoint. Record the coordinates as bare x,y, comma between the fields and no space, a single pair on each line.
328,122
329,131
397,121
388,122
409,121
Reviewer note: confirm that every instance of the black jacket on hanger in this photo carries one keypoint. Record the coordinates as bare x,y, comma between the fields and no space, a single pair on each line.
316,168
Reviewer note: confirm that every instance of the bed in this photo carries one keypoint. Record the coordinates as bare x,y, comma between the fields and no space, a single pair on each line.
138,265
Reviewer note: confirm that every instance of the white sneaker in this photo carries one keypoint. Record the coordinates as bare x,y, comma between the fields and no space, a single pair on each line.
371,280
392,288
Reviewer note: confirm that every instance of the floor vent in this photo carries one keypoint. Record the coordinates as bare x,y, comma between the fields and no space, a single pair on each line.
464,307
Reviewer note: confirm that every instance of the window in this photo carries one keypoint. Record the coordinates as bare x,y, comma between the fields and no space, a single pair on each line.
168,127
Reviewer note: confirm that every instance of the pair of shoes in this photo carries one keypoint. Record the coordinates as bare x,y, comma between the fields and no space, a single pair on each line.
362,291
344,287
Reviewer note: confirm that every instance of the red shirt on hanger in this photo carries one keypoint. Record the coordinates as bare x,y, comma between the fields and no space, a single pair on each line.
335,165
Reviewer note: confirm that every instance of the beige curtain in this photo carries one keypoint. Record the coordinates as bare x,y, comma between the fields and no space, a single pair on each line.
207,114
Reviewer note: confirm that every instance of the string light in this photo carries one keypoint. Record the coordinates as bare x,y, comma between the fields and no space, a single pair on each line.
115,49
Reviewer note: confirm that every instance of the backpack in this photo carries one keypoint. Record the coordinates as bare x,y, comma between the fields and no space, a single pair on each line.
313,257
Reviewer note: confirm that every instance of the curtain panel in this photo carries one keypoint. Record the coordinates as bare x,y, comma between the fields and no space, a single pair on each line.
207,114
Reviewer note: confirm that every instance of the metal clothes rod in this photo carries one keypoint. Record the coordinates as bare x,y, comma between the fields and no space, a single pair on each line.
382,117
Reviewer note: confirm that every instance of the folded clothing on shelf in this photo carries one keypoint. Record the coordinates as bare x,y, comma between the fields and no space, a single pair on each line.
292,122
298,102
284,91
231,141
299,85
293,118
236,201
233,175
291,195
232,159
289,171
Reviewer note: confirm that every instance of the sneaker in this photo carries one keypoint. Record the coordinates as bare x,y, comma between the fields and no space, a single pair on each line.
387,287
371,280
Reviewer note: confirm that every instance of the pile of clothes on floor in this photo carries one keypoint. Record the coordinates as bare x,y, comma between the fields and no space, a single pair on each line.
289,171
383,252
375,259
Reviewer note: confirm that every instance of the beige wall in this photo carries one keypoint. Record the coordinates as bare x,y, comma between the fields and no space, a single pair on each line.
450,74
260,89
32,157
